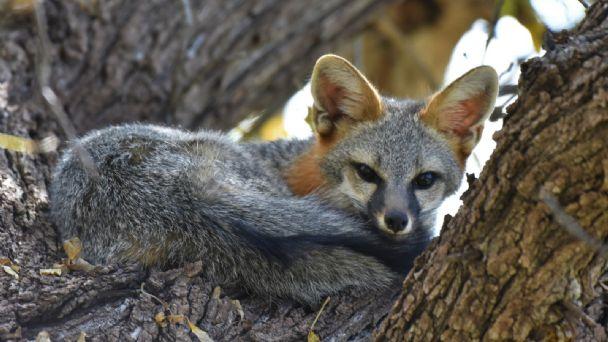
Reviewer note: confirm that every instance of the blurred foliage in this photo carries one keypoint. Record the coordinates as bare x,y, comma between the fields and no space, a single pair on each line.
525,14
406,50
16,6
273,129
12,11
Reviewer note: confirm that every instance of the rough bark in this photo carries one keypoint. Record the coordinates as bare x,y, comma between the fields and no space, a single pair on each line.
116,61
504,268
141,61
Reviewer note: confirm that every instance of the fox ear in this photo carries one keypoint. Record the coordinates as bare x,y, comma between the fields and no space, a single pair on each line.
342,96
459,111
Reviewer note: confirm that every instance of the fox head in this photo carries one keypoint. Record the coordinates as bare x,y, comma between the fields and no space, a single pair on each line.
393,160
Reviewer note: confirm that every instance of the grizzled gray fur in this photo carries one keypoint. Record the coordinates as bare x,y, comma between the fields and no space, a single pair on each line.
165,196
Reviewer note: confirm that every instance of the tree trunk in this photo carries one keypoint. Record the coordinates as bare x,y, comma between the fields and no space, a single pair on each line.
207,64
512,265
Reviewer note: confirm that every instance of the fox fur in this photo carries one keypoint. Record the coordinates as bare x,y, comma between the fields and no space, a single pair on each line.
296,219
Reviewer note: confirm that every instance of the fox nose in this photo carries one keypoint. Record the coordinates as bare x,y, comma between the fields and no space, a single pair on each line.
395,220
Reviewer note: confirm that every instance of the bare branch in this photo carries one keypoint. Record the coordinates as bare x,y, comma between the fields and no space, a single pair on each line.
43,73
584,3
577,312
492,31
187,11
507,89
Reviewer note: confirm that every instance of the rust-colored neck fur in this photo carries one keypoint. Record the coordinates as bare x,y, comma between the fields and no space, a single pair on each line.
304,176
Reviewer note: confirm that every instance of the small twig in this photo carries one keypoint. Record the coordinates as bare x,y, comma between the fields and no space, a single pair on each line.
584,3
598,330
183,53
461,256
160,301
187,11
548,42
507,70
43,72
493,23
570,224
312,326
507,89
497,114
257,123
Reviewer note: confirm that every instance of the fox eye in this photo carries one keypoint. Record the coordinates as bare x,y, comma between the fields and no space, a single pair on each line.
425,180
366,173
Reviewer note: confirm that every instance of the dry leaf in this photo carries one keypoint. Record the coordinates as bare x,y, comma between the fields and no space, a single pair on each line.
48,144
50,271
8,270
162,302
239,308
217,292
64,269
73,248
199,333
82,337
81,265
43,336
8,262
18,144
312,337
176,319
160,319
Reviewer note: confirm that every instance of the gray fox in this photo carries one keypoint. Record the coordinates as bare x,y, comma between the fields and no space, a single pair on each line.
298,219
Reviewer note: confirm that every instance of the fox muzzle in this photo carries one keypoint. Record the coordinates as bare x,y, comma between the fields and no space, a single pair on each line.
395,209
